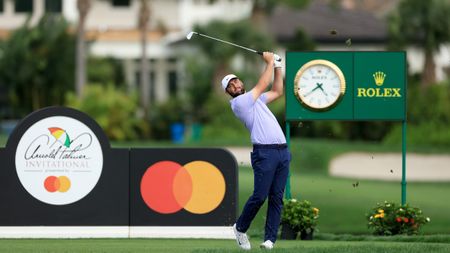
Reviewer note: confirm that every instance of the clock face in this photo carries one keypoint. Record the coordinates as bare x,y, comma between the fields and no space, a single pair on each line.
319,85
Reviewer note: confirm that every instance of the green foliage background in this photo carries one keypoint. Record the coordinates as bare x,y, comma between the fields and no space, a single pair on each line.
113,109
37,65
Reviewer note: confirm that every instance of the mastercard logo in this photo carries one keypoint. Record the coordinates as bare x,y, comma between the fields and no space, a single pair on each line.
197,187
60,184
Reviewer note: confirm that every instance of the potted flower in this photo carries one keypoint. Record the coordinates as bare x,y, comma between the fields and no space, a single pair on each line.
298,217
389,218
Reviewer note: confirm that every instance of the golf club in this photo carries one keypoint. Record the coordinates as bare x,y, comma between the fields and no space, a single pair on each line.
189,36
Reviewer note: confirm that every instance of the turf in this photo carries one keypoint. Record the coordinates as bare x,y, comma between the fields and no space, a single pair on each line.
199,245
343,206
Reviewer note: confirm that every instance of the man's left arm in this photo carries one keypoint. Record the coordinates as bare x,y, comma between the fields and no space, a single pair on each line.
277,86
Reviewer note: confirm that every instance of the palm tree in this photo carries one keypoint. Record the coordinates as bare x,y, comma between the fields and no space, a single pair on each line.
144,17
424,23
80,53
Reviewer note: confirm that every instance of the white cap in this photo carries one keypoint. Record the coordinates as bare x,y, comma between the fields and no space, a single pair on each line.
226,80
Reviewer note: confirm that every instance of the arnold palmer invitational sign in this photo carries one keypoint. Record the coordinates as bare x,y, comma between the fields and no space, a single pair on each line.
61,178
59,160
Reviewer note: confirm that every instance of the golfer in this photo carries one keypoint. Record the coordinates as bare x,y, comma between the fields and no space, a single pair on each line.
270,157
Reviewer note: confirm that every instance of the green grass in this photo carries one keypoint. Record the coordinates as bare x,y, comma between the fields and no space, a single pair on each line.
343,206
198,245
439,238
3,140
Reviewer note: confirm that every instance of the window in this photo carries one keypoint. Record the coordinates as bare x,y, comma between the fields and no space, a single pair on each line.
23,6
151,83
121,3
172,60
53,6
172,76
152,87
138,61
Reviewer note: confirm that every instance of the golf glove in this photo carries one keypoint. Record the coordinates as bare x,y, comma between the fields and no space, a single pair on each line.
277,63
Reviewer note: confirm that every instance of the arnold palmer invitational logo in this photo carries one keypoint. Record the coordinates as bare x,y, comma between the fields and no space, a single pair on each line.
59,160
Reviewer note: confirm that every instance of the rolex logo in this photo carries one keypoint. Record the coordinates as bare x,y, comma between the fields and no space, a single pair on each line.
379,92
379,78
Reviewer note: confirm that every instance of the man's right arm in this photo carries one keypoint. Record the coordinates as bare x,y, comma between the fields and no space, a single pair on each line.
266,76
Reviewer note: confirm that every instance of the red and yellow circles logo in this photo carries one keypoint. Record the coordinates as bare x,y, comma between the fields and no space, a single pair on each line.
198,187
60,184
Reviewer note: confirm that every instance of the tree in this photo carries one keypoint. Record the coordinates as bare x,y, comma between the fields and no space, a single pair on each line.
144,17
199,74
80,77
424,23
301,42
241,33
261,8
37,65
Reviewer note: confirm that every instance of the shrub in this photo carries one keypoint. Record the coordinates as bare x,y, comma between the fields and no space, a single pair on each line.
300,215
105,71
428,116
113,110
165,114
388,218
222,123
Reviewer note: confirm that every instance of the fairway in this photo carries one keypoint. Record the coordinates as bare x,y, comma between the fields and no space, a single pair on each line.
343,206
198,245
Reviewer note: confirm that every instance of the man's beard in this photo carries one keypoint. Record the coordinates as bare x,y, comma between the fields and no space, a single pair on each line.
238,93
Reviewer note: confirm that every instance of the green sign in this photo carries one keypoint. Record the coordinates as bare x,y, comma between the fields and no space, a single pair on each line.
345,86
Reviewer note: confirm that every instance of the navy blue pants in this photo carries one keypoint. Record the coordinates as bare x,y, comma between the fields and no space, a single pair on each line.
270,168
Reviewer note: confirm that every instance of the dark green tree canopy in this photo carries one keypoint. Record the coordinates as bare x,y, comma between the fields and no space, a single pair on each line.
36,65
422,23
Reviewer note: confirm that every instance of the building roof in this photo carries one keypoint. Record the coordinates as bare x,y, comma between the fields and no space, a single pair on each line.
327,24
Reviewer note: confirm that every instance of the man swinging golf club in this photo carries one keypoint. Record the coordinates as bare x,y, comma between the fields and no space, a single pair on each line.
270,157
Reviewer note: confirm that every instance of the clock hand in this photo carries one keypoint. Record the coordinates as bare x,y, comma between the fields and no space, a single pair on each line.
309,93
320,87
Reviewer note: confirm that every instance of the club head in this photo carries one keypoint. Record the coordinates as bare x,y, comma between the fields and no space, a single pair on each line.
189,35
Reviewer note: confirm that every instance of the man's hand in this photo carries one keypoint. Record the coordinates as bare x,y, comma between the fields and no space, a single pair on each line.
268,58
277,61
266,76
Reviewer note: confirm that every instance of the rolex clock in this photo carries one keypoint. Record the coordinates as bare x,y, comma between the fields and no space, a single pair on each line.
319,85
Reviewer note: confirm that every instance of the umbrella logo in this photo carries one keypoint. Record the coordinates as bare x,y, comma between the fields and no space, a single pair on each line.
60,135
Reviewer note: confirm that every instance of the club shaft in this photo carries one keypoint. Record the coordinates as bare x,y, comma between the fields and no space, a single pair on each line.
229,43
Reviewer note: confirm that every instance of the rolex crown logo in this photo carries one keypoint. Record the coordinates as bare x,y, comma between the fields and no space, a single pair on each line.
379,78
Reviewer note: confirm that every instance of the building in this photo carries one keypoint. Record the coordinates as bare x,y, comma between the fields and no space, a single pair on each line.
354,25
112,31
